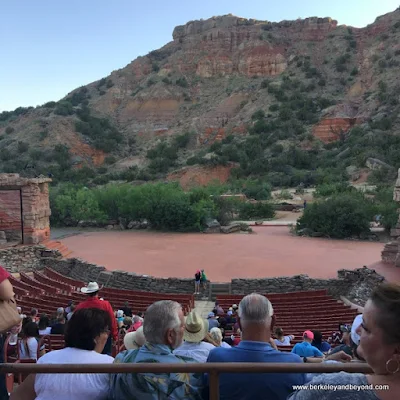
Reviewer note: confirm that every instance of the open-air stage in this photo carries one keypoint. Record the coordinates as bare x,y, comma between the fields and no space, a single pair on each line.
269,252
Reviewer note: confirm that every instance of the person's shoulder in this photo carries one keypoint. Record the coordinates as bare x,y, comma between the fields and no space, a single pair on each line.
340,378
50,356
101,358
219,353
289,357
206,345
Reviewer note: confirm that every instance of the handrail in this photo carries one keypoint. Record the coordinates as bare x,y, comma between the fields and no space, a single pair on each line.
213,369
187,367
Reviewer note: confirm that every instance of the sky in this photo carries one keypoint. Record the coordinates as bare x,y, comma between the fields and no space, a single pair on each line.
50,47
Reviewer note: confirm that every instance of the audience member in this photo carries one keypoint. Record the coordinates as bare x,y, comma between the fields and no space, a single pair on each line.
305,349
93,301
72,308
320,344
6,293
60,312
127,310
281,339
68,308
59,327
256,321
379,346
212,321
134,340
163,329
337,336
28,347
44,325
193,346
126,324
346,346
34,315
355,337
219,310
216,334
85,337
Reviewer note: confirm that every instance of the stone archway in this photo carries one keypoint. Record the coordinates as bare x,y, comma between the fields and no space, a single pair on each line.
24,209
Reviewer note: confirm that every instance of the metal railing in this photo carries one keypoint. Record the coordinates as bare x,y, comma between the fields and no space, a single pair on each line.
212,369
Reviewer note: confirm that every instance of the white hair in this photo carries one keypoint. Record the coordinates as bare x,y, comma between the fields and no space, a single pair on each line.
255,309
216,334
161,316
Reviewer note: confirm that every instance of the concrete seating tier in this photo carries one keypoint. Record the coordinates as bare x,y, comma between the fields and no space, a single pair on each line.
299,311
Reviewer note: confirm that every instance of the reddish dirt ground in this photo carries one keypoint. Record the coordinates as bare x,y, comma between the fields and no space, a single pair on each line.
270,252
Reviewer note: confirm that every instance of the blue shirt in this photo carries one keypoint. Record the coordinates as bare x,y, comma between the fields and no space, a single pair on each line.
149,386
305,349
247,386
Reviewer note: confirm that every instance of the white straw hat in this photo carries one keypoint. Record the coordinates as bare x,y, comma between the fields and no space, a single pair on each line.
91,288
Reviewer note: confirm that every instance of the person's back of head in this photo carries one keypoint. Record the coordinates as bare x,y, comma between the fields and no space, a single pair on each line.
44,322
34,312
164,323
278,332
85,327
61,319
308,336
136,319
127,322
317,337
30,329
216,335
256,317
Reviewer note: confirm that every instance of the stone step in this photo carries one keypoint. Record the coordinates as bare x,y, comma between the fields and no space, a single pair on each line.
203,307
56,245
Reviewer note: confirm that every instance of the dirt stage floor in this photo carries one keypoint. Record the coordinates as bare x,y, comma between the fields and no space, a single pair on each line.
271,251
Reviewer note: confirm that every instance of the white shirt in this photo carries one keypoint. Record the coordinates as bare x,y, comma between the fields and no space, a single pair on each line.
72,386
225,345
28,349
285,341
355,337
45,331
197,351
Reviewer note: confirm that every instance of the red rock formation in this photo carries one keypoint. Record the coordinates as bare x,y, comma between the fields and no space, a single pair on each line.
200,175
331,129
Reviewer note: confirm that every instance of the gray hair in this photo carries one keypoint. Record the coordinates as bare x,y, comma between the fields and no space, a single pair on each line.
136,318
161,316
216,334
255,309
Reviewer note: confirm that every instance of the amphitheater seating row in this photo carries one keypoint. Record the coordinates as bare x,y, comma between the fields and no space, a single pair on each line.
49,290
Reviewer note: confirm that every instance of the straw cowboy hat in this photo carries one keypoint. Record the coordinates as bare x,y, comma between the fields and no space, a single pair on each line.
91,288
134,340
196,328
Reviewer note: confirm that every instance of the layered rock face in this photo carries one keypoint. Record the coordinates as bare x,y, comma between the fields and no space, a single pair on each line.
332,129
228,45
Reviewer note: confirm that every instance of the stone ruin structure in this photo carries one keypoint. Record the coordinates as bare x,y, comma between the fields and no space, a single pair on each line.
24,210
391,252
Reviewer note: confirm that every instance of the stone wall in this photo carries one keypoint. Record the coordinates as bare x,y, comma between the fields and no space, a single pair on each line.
356,285
25,258
10,215
34,196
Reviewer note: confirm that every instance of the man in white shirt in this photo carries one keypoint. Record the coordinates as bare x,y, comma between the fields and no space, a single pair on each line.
195,331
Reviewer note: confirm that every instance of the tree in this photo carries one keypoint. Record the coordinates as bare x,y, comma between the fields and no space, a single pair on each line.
339,217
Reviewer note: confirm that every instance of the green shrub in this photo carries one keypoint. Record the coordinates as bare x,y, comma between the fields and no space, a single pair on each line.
338,217
43,134
22,147
109,83
258,115
182,82
9,130
167,81
64,108
256,210
151,81
330,189
274,107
